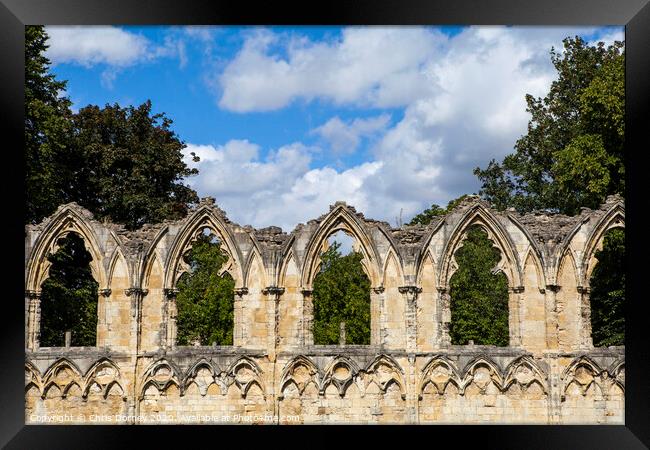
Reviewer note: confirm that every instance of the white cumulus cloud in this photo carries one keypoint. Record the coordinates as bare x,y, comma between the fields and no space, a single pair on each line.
346,137
463,102
91,45
373,66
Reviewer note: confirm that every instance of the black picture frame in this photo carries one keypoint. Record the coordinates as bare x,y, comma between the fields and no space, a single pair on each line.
634,14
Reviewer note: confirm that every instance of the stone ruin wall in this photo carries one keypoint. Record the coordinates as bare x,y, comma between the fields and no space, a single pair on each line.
410,373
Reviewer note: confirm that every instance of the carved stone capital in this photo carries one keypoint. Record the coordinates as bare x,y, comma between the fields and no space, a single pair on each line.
583,289
32,294
442,290
516,289
273,290
553,287
105,292
136,291
170,292
409,289
378,290
307,291
241,291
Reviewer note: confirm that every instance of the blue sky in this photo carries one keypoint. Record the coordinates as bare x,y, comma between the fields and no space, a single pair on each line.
288,120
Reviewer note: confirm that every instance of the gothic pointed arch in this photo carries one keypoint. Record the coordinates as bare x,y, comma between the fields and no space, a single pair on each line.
613,218
482,372
533,260
439,372
583,372
246,373
161,374
32,377
426,265
204,217
118,265
105,373
524,371
203,373
383,370
341,373
60,375
340,218
300,371
255,266
483,217
394,264
70,218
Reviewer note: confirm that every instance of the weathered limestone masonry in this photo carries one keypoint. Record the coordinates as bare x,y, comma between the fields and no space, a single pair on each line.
550,373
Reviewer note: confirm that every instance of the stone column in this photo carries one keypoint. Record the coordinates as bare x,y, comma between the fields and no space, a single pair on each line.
515,314
584,320
443,311
377,316
102,317
411,294
170,311
273,313
33,319
412,396
241,329
136,294
552,338
307,336
555,390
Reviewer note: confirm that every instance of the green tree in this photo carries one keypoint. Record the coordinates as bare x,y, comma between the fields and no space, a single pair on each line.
47,128
426,216
128,166
341,294
122,164
205,300
69,296
572,154
479,298
608,291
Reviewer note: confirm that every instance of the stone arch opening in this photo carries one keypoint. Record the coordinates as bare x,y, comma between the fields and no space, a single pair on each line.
341,293
205,293
478,292
607,290
69,295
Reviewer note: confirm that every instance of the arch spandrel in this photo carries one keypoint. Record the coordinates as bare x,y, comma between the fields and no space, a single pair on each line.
67,220
340,219
481,216
204,217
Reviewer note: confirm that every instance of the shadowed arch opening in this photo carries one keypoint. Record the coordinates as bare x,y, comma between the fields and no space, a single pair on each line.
69,296
607,294
205,298
341,294
478,293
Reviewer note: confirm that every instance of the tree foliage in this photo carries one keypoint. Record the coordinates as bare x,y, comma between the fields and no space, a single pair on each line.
122,163
426,216
128,165
341,294
479,297
47,128
205,300
608,291
69,296
572,154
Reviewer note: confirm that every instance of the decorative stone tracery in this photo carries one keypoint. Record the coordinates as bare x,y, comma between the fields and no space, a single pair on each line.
410,372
